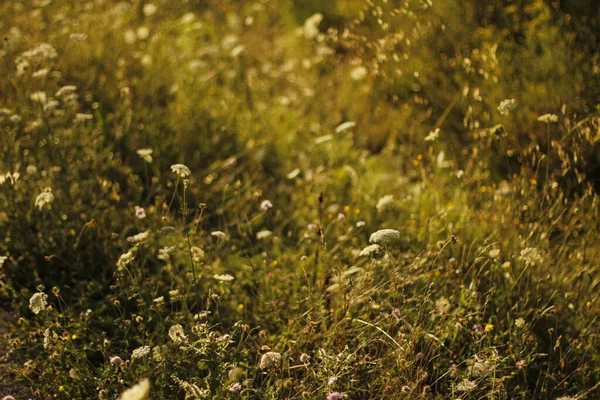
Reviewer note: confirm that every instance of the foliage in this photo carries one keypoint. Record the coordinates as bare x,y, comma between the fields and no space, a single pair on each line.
187,194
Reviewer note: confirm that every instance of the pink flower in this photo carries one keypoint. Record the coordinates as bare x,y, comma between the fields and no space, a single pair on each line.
335,396
139,212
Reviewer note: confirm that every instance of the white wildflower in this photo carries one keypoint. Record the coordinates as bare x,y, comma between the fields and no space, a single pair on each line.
124,260
197,254
130,36
44,199
530,256
48,335
116,360
547,118
370,250
2,260
158,354
442,306
78,37
40,73
345,126
506,106
265,205
495,253
311,26
433,135
264,234
142,32
176,334
181,170
149,9
38,97
139,238
40,53
163,254
466,385
220,235
384,236
140,352
83,117
4,112
65,91
141,391
223,278
358,73
146,154
519,322
385,202
270,360
37,302
159,301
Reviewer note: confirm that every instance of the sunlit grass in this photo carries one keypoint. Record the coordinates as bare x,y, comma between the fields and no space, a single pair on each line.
283,200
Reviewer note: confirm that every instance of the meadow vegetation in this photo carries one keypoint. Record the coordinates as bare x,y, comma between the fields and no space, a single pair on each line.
359,199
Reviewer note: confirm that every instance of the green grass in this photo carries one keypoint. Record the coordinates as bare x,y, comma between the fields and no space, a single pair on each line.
303,135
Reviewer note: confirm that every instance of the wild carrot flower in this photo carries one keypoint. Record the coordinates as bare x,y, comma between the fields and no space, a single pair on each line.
270,360
547,118
530,256
311,26
44,199
223,278
181,170
385,202
140,352
433,135
146,155
139,238
149,9
506,106
141,391
358,73
369,250
37,302
220,235
38,97
466,386
264,234
65,91
124,260
265,205
385,236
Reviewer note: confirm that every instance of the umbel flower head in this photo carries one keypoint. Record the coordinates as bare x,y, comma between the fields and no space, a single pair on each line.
547,118
44,199
384,236
37,302
141,391
270,360
146,155
181,170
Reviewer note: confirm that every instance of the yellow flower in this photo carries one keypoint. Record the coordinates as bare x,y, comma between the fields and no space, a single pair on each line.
489,328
